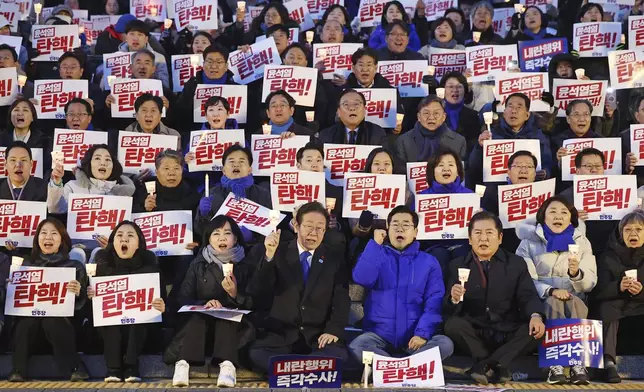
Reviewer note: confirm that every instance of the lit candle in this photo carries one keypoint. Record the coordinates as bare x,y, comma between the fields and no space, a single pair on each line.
22,81
431,70
322,53
167,23
476,36
266,129
153,11
310,116
37,10
440,92
207,189
309,37
110,80
241,5
81,30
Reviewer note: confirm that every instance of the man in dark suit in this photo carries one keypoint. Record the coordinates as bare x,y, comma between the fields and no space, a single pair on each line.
352,127
308,284
20,184
497,315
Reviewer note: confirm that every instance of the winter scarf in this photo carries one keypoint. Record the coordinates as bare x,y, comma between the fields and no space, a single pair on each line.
453,187
540,35
453,113
443,45
238,185
431,140
234,255
558,242
279,129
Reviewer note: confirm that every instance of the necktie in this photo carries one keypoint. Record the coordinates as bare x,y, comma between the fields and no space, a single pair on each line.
352,137
16,193
304,261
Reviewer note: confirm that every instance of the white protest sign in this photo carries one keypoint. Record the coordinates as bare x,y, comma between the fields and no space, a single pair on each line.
291,188
532,84
445,216
502,20
422,370
183,69
447,60
74,144
249,66
406,76
36,167
610,146
518,202
11,12
166,232
19,221
272,152
13,41
196,15
496,154
155,10
209,147
25,6
8,86
299,82
235,315
635,32
138,151
125,299
104,20
566,90
382,106
487,62
605,197
318,7
299,12
435,9
344,158
52,41
370,12
336,57
248,214
417,177
637,143
89,216
378,193
596,39
53,95
40,292
126,91
542,4
237,97
626,68
79,15
117,64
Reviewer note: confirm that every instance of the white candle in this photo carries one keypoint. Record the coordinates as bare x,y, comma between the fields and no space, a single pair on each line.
110,80
431,70
463,276
167,23
330,203
151,187
81,30
573,249
37,8
16,261
399,118
310,116
22,80
476,36
480,190
91,270
440,92
153,11
266,129
241,5
632,273
580,72
207,189
227,268
309,36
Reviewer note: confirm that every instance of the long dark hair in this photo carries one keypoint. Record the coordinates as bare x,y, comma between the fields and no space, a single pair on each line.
65,241
32,109
401,8
435,159
325,16
86,163
256,24
219,222
372,156
110,243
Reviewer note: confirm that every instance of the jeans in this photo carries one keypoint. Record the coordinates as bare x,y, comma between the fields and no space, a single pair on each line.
370,341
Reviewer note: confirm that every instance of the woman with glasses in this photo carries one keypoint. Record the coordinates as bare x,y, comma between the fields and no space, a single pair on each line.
460,118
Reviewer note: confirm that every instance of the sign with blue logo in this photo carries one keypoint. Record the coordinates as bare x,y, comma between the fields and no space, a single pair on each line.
535,56
299,371
570,342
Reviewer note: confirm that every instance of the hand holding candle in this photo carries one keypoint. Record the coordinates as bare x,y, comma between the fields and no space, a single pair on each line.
463,276
207,189
266,129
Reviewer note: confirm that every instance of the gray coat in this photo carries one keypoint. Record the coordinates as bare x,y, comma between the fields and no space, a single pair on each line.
407,145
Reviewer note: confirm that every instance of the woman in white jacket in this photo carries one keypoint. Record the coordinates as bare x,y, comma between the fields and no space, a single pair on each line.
561,275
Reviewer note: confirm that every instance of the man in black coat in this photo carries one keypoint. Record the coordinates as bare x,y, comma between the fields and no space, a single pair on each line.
308,284
498,315
20,184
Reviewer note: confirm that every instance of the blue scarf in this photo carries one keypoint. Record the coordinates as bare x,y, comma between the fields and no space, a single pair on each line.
279,129
431,140
237,186
558,242
540,35
207,80
443,45
453,187
453,113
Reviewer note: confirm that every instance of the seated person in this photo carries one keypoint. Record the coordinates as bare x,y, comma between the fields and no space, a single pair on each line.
19,183
149,109
280,107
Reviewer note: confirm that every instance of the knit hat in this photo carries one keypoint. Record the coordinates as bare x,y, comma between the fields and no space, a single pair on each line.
62,8
120,26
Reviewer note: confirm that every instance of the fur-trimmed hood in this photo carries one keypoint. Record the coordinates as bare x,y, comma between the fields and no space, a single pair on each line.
125,188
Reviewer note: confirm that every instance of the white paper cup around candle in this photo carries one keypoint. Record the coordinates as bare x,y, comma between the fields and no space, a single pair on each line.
227,269
573,249
241,5
513,65
431,70
207,188
580,73
167,23
399,118
488,117
330,203
480,190
81,29
476,36
153,11
22,80
440,92
151,187
310,116
632,273
194,60
57,157
639,202
266,129
519,8
463,277
309,36
37,8
623,40
91,269
367,357
16,261
110,80
274,218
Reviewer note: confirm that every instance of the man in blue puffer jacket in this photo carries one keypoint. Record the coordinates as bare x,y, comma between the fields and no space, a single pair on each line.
405,292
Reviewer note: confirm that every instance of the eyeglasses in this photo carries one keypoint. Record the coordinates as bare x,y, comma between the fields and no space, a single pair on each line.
580,115
77,115
310,229
522,167
404,226
351,105
278,106
428,115
210,63
591,167
398,35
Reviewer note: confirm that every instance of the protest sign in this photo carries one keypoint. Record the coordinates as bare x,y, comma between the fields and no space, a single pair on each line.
53,95
8,86
24,5
370,12
378,193
272,152
535,56
570,342
610,146
637,143
125,299
79,15
12,13
74,144
636,32
496,154
531,84
336,57
235,315
435,9
293,36
14,42
300,82
252,12
237,97
209,147
117,64
89,216
126,91
249,66
36,162
138,151
52,41
40,292
447,60
19,221
417,177
566,90
155,10
166,232
196,15
542,4
502,20
248,214
382,106
183,69
596,39
421,370
405,76
488,61
518,202
305,371
626,68
291,188
299,12
445,216
342,158
318,7
605,197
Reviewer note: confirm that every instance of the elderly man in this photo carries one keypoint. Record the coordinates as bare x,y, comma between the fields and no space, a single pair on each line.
20,184
137,35
280,107
482,14
332,32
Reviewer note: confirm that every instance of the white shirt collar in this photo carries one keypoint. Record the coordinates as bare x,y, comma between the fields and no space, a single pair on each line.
25,139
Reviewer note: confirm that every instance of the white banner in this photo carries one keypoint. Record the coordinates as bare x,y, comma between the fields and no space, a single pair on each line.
300,82
542,4
53,95
443,217
104,19
195,14
52,41
502,20
126,91
318,7
166,232
566,90
422,370
635,32
370,12
519,202
596,39
487,62
237,97
74,144
605,197
382,106
80,14
610,146
496,154
89,216
291,188
336,57
40,292
155,10
532,84
406,76
13,41
435,9
417,177
626,68
637,143
342,158
272,152
249,66
8,86
209,147
25,5
378,193
12,13
249,214
118,64
19,221
36,167
183,70
138,151
235,315
299,12
447,60
125,299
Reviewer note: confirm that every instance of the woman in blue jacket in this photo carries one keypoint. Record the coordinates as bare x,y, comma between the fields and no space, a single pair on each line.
392,11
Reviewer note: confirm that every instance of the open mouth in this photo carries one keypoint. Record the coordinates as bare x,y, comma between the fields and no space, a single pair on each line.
18,172
364,76
633,241
48,244
222,246
20,120
483,246
236,171
102,170
447,175
523,177
125,248
400,238
557,224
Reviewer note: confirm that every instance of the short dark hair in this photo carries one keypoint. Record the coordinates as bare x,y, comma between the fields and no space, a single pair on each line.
278,27
219,222
483,216
10,49
362,52
352,91
15,103
204,34
390,26
313,206
86,163
372,156
296,45
577,102
144,51
18,144
403,209
458,76
82,101
289,98
145,97
435,159
586,7
541,213
586,152
638,102
522,96
72,55
428,100
214,100
309,146
234,148
65,241
521,153
109,249
137,26
216,48
440,21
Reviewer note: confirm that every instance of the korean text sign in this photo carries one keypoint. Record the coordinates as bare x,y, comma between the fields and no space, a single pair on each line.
37,162
118,64
155,10
91,215
447,60
378,193
570,342
518,202
445,216
340,159
8,86
126,91
237,97
272,152
417,177
605,197
626,68
318,7
596,39
299,82
382,106
496,154
566,90
487,61
435,9
52,41
531,84
298,10
74,144
166,232
125,299
637,143
421,370
138,151
610,146
248,214
40,292
406,76
635,32
209,147
197,14
249,66
19,220
535,56
53,95
183,70
291,188
336,57
304,371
